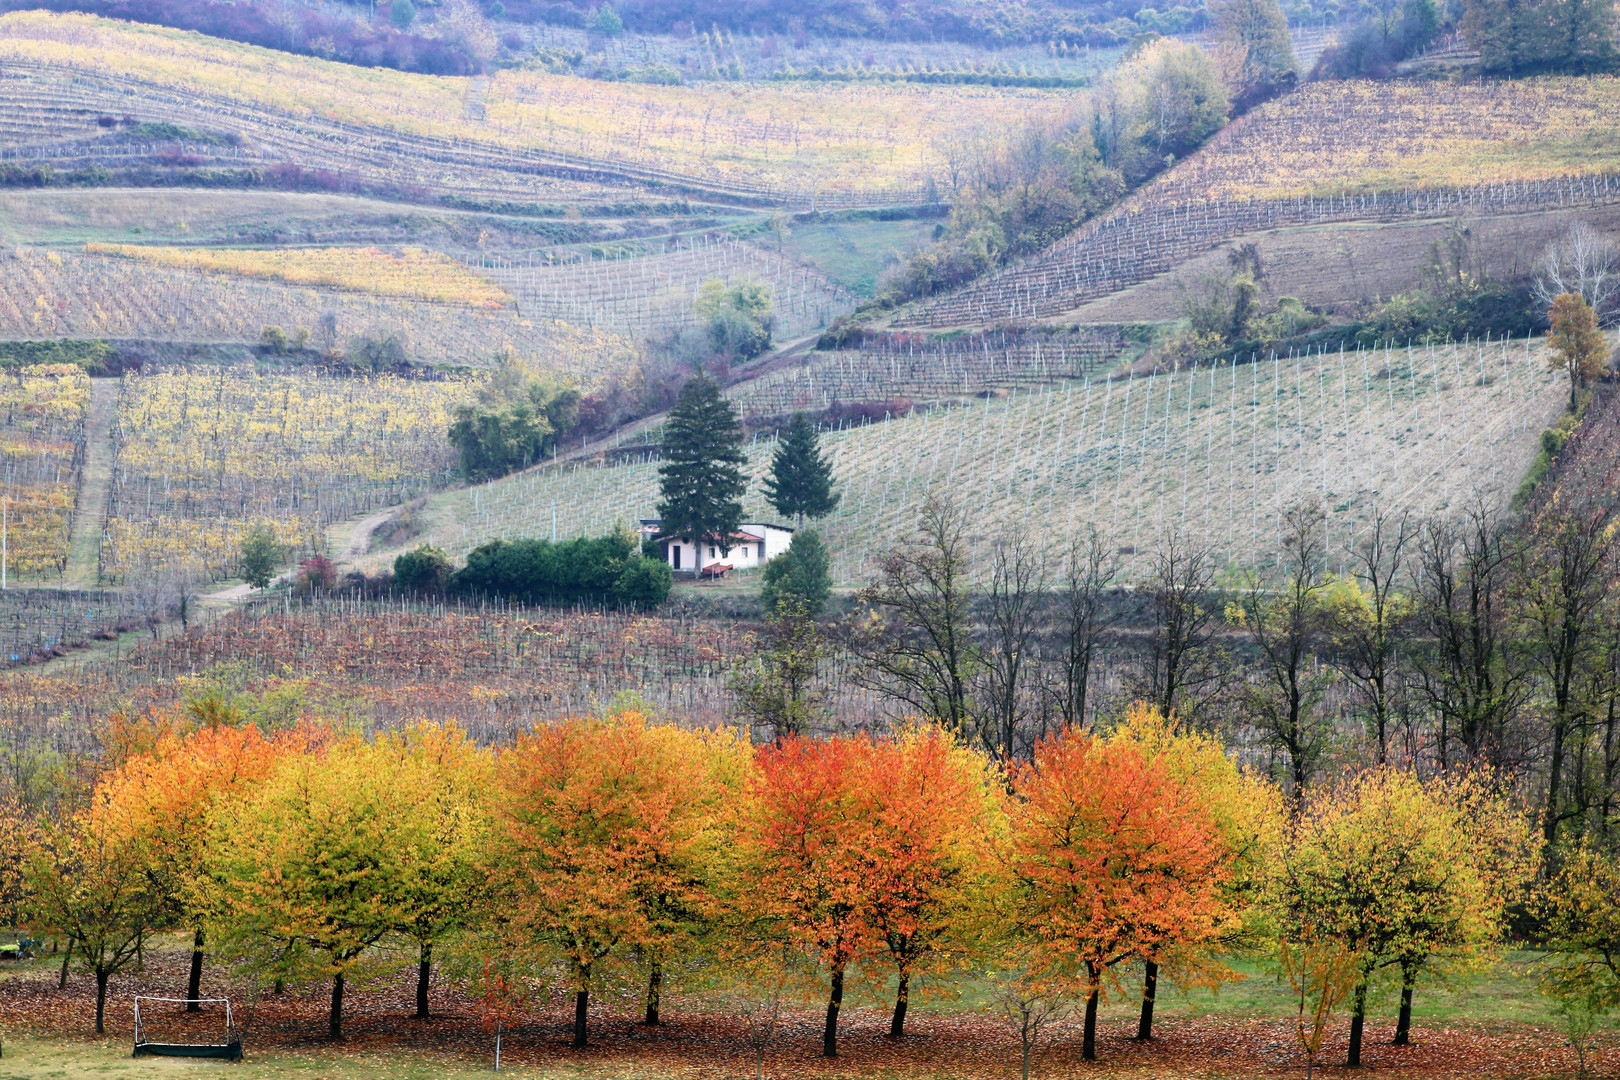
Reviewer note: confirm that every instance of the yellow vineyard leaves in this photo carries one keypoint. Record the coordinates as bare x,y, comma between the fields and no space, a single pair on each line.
414,273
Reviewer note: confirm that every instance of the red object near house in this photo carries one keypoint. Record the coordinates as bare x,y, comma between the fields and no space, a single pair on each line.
715,570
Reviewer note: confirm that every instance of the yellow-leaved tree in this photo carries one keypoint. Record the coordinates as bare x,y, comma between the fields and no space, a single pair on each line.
329,855
1399,872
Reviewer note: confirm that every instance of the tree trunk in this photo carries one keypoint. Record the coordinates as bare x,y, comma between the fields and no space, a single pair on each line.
582,1004
835,1000
1403,1024
1088,1044
101,1002
194,984
334,1022
424,972
1358,1017
61,983
655,988
1150,989
902,999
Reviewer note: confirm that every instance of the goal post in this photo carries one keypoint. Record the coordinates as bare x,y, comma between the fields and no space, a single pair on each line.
229,1047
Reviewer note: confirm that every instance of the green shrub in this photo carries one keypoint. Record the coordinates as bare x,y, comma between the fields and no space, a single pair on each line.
600,570
425,570
644,583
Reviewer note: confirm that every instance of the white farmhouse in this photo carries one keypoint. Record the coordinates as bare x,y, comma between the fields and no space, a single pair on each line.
753,544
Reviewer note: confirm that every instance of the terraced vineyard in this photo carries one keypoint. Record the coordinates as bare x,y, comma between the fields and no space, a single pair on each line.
1215,454
204,456
48,294
42,431
801,145
650,295
1392,152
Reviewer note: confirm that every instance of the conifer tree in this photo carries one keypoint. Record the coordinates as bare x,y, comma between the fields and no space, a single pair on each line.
800,483
701,479
800,574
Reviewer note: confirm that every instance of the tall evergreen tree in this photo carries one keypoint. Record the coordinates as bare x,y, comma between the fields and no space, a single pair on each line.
800,483
701,479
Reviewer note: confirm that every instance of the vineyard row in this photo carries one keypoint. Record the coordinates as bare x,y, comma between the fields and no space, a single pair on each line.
1151,234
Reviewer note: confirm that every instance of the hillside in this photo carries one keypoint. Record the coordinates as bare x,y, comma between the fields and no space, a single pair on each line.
806,145
1329,153
1213,455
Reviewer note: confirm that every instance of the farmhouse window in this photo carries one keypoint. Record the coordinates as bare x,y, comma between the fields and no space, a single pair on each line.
762,551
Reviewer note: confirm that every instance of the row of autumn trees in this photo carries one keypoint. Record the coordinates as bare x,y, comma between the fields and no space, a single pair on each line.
603,851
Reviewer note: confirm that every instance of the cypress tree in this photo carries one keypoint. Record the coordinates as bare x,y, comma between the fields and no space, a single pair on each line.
800,483
701,479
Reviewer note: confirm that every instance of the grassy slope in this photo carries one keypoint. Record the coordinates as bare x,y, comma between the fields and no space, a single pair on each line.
1219,462
854,253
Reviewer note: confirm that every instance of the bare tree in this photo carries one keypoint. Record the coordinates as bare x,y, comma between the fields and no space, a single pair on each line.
1011,616
1089,570
1465,671
1285,624
1560,597
1582,261
1369,627
1030,1009
918,646
1179,668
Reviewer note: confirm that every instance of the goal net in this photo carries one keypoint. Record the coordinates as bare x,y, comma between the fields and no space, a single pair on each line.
163,1028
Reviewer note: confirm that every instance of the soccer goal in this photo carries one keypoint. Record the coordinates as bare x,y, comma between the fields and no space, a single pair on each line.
230,1048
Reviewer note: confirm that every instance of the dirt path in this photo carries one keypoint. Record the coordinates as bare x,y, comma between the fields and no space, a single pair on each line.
359,539
95,483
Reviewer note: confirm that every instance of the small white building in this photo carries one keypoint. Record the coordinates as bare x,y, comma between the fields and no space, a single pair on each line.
755,543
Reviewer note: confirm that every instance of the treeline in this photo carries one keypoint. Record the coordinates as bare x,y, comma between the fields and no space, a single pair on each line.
1514,37
599,854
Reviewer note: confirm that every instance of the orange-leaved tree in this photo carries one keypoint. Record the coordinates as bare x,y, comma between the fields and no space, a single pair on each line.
1113,856
1247,811
601,845
1576,344
804,851
167,792
923,820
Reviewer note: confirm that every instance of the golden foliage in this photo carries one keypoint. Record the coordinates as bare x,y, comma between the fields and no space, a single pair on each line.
414,273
